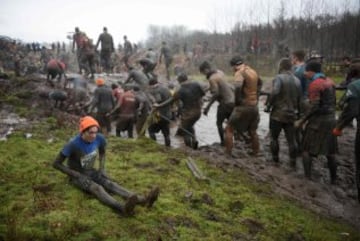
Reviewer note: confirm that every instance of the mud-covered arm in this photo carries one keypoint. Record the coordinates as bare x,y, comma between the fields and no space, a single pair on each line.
102,159
166,102
275,91
116,107
350,111
214,90
59,164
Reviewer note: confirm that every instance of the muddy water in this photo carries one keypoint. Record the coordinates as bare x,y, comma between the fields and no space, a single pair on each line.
206,130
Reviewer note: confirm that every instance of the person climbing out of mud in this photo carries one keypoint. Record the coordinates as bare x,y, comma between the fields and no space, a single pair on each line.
245,115
137,77
55,68
222,92
352,110
284,105
320,120
190,94
81,153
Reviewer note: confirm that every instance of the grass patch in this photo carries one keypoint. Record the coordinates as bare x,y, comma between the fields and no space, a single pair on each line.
39,204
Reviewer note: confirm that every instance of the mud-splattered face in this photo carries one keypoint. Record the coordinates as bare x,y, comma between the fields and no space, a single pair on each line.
90,134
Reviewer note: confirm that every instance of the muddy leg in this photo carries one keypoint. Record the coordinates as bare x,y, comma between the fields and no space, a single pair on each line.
332,168
254,138
229,141
307,163
275,129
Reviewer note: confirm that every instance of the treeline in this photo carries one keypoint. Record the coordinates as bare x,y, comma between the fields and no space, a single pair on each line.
331,35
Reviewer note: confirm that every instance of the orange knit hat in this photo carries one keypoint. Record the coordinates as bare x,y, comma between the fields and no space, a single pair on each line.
100,81
87,122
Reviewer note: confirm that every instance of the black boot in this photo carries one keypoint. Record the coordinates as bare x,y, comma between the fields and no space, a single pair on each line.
152,196
332,168
307,161
293,163
130,205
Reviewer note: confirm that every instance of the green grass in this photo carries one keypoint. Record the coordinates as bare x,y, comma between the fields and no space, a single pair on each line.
227,206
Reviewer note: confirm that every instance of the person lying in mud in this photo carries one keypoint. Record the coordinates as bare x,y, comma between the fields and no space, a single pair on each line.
81,153
352,110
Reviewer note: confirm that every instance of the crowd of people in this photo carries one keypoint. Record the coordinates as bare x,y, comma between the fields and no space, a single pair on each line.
302,102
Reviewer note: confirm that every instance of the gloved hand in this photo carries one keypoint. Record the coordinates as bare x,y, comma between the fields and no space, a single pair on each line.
336,132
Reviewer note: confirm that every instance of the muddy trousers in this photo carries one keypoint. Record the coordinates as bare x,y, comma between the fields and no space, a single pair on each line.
307,163
223,112
357,161
189,138
290,134
100,186
162,125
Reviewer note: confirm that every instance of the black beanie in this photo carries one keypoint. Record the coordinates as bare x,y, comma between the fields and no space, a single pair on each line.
236,60
313,66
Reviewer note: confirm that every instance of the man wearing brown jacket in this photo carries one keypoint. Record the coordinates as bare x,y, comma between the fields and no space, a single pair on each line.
245,116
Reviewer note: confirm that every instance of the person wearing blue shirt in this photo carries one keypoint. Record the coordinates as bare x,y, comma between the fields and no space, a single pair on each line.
81,153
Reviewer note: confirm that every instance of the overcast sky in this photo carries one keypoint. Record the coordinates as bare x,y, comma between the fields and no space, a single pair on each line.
50,21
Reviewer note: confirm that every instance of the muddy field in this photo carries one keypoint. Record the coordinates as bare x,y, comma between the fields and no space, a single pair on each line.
337,201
